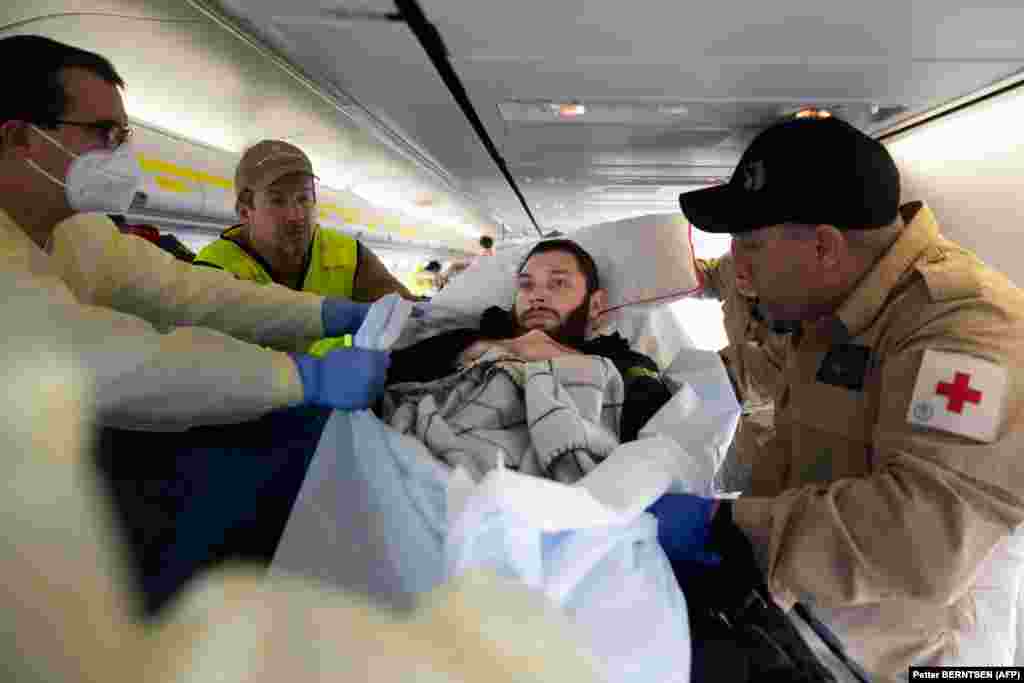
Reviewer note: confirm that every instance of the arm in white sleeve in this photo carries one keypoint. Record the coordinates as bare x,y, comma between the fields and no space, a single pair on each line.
141,377
147,380
105,268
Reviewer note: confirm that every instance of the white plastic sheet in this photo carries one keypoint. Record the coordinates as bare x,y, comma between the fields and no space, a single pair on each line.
600,563
590,547
992,640
701,418
370,515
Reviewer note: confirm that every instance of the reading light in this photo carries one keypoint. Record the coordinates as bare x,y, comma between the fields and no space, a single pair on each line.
571,110
813,113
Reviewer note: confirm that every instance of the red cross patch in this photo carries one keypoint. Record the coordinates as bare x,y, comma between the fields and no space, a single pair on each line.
959,394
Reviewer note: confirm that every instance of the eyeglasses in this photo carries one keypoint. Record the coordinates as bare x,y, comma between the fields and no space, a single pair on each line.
114,134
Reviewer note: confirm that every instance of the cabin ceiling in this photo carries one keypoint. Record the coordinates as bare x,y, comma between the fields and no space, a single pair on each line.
673,91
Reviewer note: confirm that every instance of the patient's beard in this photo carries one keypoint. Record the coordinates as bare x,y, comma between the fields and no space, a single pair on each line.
573,331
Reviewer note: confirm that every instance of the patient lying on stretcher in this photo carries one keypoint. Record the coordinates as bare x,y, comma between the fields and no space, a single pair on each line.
533,384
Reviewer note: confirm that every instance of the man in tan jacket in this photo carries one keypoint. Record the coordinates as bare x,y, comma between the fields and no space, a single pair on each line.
171,348
896,476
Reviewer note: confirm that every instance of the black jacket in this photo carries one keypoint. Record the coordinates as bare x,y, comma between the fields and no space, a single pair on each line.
437,357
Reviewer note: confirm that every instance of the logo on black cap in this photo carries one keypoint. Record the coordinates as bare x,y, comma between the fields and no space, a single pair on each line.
754,176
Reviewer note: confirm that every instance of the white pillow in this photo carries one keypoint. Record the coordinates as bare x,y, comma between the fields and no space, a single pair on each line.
647,260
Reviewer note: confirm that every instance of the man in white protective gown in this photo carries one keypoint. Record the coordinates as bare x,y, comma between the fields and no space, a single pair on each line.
67,608
208,411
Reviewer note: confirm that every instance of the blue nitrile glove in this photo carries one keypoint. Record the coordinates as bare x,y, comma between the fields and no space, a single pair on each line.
341,316
684,524
346,379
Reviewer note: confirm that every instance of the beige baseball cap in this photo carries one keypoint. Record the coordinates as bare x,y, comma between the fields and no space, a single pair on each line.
266,162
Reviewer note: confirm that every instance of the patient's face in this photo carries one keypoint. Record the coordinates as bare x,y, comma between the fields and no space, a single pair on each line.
552,296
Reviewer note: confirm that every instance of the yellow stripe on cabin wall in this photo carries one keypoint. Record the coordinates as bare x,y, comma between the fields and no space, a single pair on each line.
172,184
154,165
167,176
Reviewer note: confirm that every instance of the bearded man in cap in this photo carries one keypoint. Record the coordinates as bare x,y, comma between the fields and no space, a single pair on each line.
889,498
279,241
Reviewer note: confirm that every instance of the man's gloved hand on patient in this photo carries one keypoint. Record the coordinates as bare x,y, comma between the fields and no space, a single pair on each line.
345,379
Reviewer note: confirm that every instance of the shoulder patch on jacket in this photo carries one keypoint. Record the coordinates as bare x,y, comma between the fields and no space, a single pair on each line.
948,275
959,394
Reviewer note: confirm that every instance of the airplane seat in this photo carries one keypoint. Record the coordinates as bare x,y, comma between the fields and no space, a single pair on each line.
190,500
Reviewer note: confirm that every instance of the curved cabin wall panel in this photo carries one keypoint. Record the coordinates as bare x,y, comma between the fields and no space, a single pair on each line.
969,167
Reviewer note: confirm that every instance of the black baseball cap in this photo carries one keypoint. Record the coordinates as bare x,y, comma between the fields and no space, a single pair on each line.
803,170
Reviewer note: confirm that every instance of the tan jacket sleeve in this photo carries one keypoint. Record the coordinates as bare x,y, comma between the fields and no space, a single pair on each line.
374,280
756,369
934,505
764,368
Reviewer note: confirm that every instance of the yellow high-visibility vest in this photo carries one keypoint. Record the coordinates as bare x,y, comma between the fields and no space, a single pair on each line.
331,272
